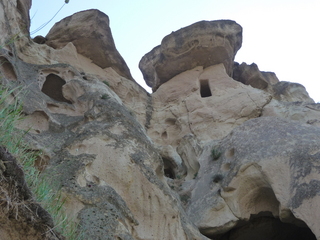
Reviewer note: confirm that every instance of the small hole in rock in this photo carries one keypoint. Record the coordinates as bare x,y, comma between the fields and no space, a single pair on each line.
230,153
205,90
226,167
168,168
217,178
169,173
164,135
170,121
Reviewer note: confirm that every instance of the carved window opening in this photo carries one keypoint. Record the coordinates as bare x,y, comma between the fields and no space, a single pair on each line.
52,87
169,168
205,90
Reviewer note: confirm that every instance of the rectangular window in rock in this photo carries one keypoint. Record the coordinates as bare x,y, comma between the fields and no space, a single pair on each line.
205,90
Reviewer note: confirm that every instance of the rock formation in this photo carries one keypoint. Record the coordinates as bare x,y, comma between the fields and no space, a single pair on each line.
203,44
220,150
93,39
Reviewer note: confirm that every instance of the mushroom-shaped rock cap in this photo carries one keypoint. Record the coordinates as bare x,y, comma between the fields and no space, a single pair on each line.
90,33
203,43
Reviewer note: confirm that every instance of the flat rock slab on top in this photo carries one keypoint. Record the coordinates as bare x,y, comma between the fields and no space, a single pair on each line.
203,43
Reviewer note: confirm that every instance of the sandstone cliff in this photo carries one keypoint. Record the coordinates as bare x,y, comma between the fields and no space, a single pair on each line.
219,150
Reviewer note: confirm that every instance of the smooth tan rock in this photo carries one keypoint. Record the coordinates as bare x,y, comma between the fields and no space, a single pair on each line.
181,106
203,43
90,33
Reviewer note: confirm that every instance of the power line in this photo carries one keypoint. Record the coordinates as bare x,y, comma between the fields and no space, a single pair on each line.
45,24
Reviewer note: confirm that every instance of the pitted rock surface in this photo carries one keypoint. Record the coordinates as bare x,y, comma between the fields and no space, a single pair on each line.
268,167
204,157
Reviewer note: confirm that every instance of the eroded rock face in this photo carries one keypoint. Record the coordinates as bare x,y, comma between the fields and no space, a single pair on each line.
251,75
94,142
268,169
291,92
204,102
268,81
137,166
90,33
203,44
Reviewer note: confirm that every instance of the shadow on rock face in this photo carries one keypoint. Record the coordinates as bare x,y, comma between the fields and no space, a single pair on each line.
267,228
52,87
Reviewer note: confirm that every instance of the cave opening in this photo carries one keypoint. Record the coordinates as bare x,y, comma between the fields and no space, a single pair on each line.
205,90
52,87
267,228
169,168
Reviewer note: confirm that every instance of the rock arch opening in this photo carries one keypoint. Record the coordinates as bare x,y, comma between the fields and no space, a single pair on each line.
52,87
205,90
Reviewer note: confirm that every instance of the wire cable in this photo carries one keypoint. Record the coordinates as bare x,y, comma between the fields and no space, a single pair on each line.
45,24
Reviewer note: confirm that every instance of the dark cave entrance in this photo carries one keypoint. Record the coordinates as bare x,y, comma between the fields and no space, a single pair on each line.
267,228
205,90
169,168
52,87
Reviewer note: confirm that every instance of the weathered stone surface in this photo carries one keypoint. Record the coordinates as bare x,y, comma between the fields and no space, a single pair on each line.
184,106
268,81
137,166
308,113
250,75
90,33
268,170
203,44
291,92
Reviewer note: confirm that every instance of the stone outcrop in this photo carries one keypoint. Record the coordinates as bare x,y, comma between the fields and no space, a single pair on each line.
268,81
203,43
92,39
219,151
291,92
251,75
209,105
271,178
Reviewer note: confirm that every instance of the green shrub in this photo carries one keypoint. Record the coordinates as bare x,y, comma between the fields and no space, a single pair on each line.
215,154
106,83
195,175
105,96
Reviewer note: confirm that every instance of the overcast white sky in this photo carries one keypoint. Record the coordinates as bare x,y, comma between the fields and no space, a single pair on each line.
281,36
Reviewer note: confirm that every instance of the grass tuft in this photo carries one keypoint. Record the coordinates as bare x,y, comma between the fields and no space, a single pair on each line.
215,154
12,139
